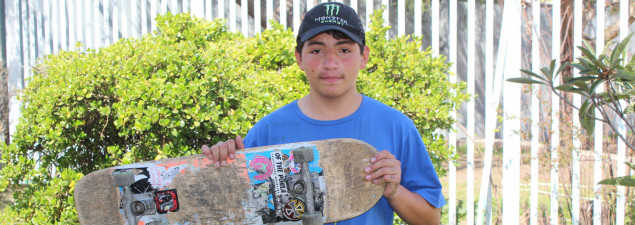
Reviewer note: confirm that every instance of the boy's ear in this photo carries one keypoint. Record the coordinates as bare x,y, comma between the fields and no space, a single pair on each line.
298,59
365,57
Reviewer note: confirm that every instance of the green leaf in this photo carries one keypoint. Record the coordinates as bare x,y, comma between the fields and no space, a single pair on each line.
585,115
580,80
630,108
531,73
619,49
569,88
589,56
628,181
628,75
524,80
548,71
562,67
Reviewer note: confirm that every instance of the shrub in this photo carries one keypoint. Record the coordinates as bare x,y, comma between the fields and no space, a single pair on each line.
191,83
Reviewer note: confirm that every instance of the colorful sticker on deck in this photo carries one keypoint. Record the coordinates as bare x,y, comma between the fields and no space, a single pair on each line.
273,175
294,209
146,200
166,201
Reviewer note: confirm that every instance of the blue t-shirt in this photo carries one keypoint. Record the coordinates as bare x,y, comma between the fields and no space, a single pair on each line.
377,124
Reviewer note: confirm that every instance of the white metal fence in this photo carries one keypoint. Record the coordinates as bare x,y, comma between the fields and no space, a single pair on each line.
488,41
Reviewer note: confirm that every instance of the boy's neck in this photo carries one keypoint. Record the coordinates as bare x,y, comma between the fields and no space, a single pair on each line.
319,108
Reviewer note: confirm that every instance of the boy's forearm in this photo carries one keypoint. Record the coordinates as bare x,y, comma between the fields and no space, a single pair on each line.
413,208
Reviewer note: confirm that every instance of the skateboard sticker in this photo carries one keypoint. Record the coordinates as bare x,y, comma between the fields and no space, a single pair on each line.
146,200
167,201
273,175
294,209
161,177
262,167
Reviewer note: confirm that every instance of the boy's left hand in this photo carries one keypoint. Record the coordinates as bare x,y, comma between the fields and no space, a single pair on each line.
384,168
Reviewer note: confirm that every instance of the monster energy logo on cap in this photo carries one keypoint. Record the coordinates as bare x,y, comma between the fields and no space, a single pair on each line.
330,8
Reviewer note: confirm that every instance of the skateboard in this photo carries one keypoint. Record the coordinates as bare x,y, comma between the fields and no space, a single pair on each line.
308,182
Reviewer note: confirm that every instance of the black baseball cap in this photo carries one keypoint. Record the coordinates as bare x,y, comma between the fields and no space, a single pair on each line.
332,16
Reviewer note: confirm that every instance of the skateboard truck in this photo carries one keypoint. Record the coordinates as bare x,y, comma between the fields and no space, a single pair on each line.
304,156
134,207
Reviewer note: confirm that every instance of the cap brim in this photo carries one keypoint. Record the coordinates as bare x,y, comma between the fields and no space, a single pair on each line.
319,29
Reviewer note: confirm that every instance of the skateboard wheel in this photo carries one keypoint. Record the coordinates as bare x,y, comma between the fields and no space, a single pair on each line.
123,178
302,155
312,219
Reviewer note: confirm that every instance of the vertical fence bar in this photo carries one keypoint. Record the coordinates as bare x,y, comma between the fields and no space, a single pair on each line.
386,3
354,6
493,94
126,25
452,136
489,69
99,30
39,29
72,38
27,35
108,35
555,110
209,6
535,112
31,30
221,8
63,25
197,8
575,154
244,17
23,37
621,147
79,23
153,14
471,45
257,17
621,155
135,19
13,54
143,17
115,20
434,13
401,17
55,28
46,24
417,21
232,15
511,106
599,126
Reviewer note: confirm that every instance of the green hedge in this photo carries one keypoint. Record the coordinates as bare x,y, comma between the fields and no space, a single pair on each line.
191,83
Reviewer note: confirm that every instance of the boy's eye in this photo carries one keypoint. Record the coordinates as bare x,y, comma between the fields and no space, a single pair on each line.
315,51
346,50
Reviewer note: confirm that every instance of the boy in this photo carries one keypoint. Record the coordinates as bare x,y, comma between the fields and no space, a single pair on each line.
331,49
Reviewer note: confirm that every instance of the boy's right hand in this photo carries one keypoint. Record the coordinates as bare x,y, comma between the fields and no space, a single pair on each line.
221,151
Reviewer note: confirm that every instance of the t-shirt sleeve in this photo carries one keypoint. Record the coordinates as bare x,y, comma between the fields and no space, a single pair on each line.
250,139
418,174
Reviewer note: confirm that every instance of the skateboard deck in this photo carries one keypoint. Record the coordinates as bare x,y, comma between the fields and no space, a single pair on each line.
263,185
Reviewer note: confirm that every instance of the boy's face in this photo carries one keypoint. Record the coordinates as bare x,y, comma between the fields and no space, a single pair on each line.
331,65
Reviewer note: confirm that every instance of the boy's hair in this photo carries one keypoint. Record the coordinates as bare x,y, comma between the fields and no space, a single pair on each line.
336,34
